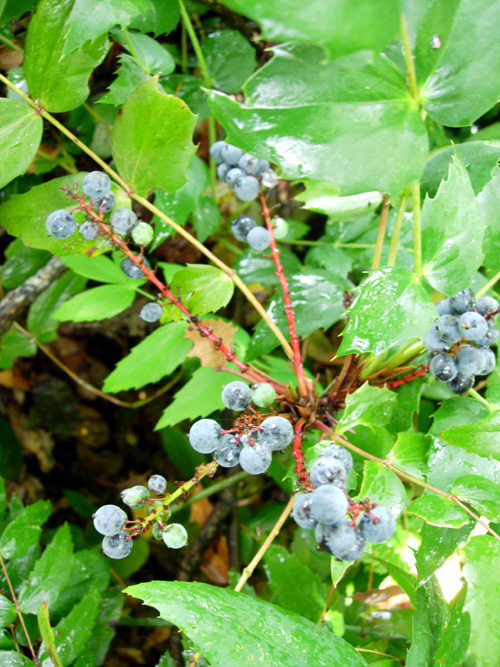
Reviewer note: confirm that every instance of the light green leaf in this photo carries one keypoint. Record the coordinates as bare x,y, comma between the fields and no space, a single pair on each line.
480,492
454,643
15,659
97,303
20,135
57,81
48,636
156,356
14,344
356,108
324,198
383,487
275,637
410,453
437,545
203,289
154,57
452,233
149,153
206,218
391,308
429,622
161,19
482,437
8,612
101,268
23,532
457,411
438,511
488,202
230,59
407,581
128,76
408,403
253,268
334,260
369,406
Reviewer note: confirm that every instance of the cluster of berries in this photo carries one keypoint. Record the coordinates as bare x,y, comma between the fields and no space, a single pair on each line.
329,511
112,522
251,445
242,171
460,339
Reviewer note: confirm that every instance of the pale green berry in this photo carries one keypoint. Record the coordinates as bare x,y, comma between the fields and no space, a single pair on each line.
280,228
142,234
135,496
175,536
263,394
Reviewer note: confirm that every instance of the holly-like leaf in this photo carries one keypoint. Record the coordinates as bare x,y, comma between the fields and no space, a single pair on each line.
148,153
58,81
410,453
230,59
452,233
356,108
438,511
20,135
97,303
253,268
369,406
128,76
383,487
456,411
391,308
204,349
275,636
488,202
161,19
480,492
482,437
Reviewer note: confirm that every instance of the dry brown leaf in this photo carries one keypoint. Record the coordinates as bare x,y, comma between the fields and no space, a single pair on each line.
10,58
215,563
200,511
204,349
392,597
7,378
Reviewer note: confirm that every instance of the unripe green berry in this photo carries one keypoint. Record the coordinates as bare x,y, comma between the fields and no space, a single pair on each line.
142,234
263,394
157,531
175,536
134,496
280,228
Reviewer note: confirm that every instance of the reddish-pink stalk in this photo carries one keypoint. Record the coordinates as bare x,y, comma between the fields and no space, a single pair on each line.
290,315
300,461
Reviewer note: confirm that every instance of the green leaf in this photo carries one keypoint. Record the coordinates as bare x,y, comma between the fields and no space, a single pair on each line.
275,637
98,303
408,403
14,9
334,260
3,498
15,344
404,579
317,301
51,573
480,492
22,263
57,81
128,76
100,268
324,198
488,202
341,26
190,89
11,454
452,649
48,636
179,452
459,81
128,566
153,56
230,59
457,411
438,511
253,268
482,437
410,453
368,406
90,19
15,659
308,594
148,153
23,532
452,233
203,289
20,135
104,630
206,218
161,19
24,216
199,397
8,612
436,546
429,622
391,308
157,355
356,108
383,487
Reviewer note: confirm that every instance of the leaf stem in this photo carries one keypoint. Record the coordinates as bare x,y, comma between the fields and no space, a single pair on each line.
488,285
133,51
70,169
417,230
409,61
396,233
97,116
379,246
475,394
12,45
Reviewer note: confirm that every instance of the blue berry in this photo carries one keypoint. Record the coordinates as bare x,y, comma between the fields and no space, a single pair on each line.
232,176
236,395
231,154
60,224
462,302
117,546
490,360
228,452
241,226
301,512
151,312
357,550
249,164
255,459
90,230
340,453
205,436
443,367
470,361
106,202
443,307
487,305
131,270
247,188
222,171
258,238
123,221
157,484
277,433
491,336
460,383
328,504
473,326
447,329
263,394
96,185
337,539
432,341
109,519
378,526
326,470
216,151
263,166
135,496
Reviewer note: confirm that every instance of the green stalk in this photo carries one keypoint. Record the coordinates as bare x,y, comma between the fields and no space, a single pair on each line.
417,230
379,246
133,52
474,394
10,44
488,285
409,61
211,490
393,249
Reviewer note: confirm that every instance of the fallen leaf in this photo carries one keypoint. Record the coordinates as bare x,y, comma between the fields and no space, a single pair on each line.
200,511
204,349
392,597
10,58
215,562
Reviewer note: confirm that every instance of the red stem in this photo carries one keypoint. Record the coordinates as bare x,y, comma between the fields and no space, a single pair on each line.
407,378
290,315
303,479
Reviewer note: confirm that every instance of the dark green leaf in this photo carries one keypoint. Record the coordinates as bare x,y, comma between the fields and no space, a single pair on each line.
128,566
230,59
429,622
369,406
109,614
383,487
334,260
57,81
97,303
437,545
90,571
481,493
275,637
22,263
156,356
391,308
438,511
410,453
15,344
147,153
253,268
452,233
24,531
14,9
482,437
3,499
190,89
8,611
128,76
356,108
11,452
20,134
151,54
408,403
456,411
206,218
179,451
161,19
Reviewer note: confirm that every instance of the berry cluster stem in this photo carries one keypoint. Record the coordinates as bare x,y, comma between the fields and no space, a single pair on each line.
289,312
298,454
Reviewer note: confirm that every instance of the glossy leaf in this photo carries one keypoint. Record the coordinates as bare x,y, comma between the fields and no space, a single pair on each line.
409,454
452,233
390,308
162,18
23,532
457,411
407,581
448,463
151,54
481,493
324,198
408,403
8,612
14,344
48,636
452,649
275,636
15,659
482,437
128,76
488,202
429,622
301,109
148,153
20,135
368,406
341,26
253,268
383,487
438,511
109,615
157,355
437,545
22,263
98,303
230,59
206,218
58,81
101,269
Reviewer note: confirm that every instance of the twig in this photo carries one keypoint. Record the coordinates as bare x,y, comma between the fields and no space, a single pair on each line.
327,604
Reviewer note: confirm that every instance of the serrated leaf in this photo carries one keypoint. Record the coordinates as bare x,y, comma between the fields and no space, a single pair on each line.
147,153
230,59
482,437
275,637
410,453
151,54
58,81
452,233
161,19
355,108
383,487
334,260
50,574
324,198
481,493
23,532
98,303
20,135
457,411
391,308
128,76
437,545
438,511
488,202
203,289
341,26
368,406
454,643
408,403
156,356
